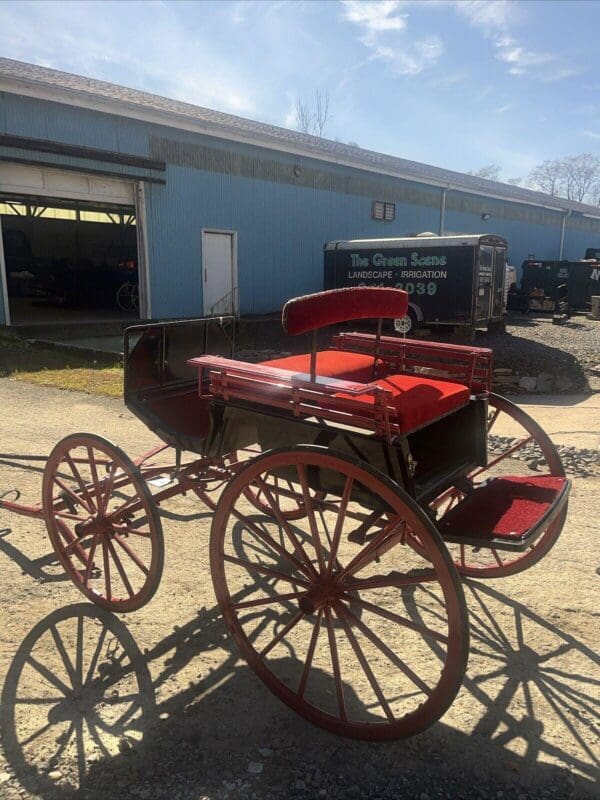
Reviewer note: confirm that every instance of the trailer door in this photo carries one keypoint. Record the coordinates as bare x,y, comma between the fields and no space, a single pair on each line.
485,287
499,280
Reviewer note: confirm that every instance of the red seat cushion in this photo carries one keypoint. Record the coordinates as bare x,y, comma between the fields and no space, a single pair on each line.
338,364
419,400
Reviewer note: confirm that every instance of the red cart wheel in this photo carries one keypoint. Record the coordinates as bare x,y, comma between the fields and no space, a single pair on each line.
317,605
291,502
291,505
516,446
103,522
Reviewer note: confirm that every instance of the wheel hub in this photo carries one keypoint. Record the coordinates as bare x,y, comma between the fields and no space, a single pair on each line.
94,526
321,594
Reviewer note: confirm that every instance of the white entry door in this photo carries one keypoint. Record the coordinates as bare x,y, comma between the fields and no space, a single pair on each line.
219,271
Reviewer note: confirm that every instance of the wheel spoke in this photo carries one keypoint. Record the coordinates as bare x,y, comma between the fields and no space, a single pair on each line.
388,537
133,556
80,481
396,579
60,646
68,515
96,656
282,633
265,601
108,489
302,555
335,663
115,528
407,623
339,608
76,498
383,647
106,569
273,573
310,655
90,564
310,511
120,568
72,542
49,676
501,457
268,540
94,471
339,524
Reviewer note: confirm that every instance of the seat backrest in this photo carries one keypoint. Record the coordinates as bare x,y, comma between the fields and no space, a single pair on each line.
314,311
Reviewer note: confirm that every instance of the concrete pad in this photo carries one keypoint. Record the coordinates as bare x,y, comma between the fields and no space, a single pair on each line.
97,344
571,420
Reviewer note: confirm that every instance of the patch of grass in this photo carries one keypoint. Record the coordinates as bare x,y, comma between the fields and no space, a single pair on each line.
62,369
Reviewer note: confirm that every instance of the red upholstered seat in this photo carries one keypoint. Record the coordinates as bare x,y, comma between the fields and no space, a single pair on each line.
419,400
338,364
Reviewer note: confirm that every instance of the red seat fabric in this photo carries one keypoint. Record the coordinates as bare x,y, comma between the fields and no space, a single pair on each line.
418,400
505,508
338,364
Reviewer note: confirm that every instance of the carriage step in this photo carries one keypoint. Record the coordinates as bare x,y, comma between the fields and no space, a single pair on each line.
508,512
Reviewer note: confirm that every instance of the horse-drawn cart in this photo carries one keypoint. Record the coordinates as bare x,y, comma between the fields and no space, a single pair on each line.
350,488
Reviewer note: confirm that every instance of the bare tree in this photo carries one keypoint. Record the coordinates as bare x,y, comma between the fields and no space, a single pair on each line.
491,172
514,181
574,177
304,117
581,173
549,177
313,120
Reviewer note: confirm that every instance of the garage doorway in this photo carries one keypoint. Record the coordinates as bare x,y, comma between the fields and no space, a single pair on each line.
219,270
70,258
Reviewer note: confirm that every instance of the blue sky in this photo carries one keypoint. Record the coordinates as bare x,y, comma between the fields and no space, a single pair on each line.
456,84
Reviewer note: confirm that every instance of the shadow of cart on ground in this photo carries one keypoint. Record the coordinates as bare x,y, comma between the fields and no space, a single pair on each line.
86,714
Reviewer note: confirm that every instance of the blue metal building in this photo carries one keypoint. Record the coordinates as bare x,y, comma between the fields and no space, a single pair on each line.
233,211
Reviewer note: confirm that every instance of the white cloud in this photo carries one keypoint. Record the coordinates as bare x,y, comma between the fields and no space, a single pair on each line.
496,20
154,49
382,26
375,15
591,134
489,17
503,109
289,121
447,79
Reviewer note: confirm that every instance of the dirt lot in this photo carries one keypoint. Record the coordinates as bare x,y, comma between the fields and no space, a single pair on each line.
157,704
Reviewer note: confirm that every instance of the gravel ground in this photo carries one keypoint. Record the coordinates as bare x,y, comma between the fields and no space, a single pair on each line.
168,711
532,345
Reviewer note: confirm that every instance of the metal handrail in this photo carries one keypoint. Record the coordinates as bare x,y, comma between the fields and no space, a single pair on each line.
228,304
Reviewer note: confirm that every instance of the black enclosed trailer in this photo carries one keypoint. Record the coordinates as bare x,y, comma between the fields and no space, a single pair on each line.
541,280
451,280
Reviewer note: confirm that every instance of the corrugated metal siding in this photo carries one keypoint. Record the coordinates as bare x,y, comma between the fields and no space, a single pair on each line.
579,235
523,238
42,119
281,232
250,162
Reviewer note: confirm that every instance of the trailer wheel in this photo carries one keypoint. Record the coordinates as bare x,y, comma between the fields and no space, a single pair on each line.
318,605
408,324
103,522
515,443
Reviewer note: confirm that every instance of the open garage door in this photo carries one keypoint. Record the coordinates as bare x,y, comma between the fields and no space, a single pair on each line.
70,247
